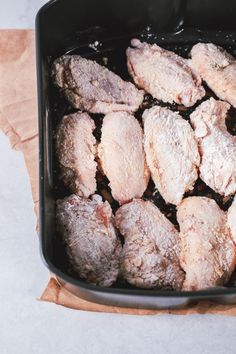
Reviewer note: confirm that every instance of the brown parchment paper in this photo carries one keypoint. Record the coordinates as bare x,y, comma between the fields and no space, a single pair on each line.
18,120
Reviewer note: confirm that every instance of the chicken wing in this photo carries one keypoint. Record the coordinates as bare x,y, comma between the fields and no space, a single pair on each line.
151,249
92,87
232,219
76,149
217,146
217,68
122,156
163,74
171,152
208,252
91,242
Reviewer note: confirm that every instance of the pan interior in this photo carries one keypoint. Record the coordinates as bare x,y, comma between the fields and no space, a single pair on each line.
108,49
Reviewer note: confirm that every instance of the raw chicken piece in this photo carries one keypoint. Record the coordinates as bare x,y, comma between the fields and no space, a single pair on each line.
217,68
122,156
90,237
171,152
92,87
217,146
151,249
208,252
232,219
76,149
164,74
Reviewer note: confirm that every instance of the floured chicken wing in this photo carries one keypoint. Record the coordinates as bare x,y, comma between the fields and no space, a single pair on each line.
217,146
151,249
122,156
92,245
171,152
164,74
92,87
208,252
232,219
217,68
76,149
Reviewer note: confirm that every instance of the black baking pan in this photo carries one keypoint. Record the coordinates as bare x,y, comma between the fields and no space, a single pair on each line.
103,28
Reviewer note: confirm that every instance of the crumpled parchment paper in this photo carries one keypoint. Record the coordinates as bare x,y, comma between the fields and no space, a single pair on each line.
18,120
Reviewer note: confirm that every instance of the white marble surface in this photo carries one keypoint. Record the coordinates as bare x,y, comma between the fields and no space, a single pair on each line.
29,326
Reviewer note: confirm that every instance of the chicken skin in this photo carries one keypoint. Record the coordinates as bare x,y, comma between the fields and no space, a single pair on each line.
171,152
92,87
76,149
232,219
163,74
151,249
217,146
217,68
122,156
208,252
90,237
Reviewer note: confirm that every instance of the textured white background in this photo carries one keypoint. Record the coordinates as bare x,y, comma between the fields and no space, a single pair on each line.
28,326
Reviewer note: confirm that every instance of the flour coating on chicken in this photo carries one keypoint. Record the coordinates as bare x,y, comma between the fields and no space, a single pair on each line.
208,252
90,237
217,146
76,149
171,152
151,249
92,87
217,68
163,74
122,156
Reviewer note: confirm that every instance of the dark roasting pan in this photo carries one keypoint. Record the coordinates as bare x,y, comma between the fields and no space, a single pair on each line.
103,28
